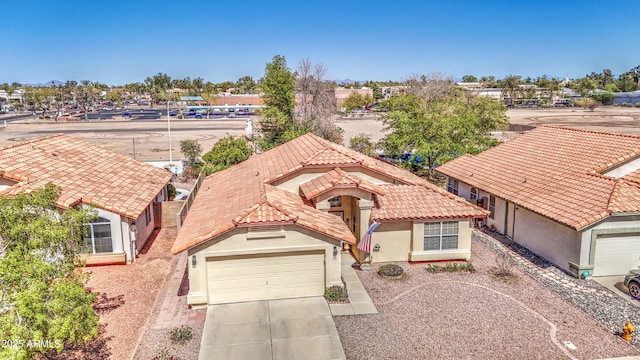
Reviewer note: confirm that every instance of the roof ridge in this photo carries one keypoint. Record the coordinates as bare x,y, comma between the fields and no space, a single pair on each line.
614,195
589,131
23,143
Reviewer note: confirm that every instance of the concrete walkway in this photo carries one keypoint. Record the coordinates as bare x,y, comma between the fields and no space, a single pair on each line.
274,329
359,301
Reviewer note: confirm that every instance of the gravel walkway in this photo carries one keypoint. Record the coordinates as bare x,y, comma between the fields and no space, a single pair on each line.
474,316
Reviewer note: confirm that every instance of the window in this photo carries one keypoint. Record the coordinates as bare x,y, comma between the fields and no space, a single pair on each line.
452,186
147,215
98,237
492,206
441,235
335,201
473,193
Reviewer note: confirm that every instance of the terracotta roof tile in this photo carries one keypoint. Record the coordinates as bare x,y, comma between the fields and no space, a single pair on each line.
403,202
241,195
86,173
556,172
336,178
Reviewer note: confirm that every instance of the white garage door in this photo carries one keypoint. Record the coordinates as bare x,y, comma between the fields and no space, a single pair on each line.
263,277
616,254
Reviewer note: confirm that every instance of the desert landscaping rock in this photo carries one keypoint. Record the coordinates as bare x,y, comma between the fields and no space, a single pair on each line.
474,316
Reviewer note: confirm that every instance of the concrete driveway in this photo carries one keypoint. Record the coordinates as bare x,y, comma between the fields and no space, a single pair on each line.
615,283
274,329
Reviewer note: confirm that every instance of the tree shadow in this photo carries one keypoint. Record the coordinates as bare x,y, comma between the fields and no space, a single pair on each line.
94,349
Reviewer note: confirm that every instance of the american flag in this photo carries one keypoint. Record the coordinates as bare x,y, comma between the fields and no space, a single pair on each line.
365,242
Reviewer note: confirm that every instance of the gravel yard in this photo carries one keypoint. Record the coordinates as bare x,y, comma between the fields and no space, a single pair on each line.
139,283
475,316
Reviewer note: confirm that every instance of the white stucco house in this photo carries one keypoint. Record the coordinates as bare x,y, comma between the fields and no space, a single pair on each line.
122,190
275,225
571,196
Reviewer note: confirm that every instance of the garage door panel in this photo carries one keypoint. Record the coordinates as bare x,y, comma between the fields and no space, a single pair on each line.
271,276
616,255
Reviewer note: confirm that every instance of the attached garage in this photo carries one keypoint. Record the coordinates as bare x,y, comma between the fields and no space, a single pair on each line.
265,276
616,254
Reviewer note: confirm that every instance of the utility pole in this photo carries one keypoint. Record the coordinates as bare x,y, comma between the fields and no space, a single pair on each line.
169,128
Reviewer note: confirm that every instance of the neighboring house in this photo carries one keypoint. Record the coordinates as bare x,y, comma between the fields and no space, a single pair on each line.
274,225
121,189
571,196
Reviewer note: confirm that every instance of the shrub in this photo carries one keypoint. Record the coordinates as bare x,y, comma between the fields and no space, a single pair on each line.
392,270
336,293
451,267
171,191
181,335
637,104
504,265
164,354
625,104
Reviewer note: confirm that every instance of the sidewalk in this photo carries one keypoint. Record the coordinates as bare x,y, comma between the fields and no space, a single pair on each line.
174,311
359,301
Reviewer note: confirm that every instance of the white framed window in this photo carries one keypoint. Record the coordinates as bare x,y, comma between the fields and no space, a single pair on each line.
492,206
473,194
97,238
452,186
440,235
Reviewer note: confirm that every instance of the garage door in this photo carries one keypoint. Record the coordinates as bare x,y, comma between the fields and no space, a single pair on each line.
263,277
616,254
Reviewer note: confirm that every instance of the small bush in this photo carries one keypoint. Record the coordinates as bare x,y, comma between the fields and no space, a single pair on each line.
164,354
181,335
504,265
451,267
392,270
336,293
625,104
171,191
637,104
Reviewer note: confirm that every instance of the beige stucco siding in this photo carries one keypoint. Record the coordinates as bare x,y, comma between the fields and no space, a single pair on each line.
394,239
240,241
557,243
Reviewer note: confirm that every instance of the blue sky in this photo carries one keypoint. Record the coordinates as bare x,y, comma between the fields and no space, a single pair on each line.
116,42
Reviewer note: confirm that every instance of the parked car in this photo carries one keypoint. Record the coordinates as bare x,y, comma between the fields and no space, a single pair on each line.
632,281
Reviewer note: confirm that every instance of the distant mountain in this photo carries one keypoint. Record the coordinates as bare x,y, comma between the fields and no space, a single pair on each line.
47,84
347,81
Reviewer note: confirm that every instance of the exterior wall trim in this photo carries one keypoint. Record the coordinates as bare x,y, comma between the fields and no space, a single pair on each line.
594,237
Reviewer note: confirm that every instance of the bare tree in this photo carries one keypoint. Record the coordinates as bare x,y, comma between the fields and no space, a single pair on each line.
430,87
316,105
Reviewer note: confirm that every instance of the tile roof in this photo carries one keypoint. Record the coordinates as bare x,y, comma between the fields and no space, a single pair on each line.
556,172
242,195
336,178
403,202
87,173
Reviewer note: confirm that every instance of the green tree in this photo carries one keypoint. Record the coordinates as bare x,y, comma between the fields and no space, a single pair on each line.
585,86
157,86
440,130
191,149
511,88
469,78
278,95
227,151
362,144
357,101
245,85
42,296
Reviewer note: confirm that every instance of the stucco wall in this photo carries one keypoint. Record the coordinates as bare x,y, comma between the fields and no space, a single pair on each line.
394,239
557,243
144,229
237,242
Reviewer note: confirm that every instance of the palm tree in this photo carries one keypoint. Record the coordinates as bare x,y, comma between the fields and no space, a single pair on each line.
511,87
